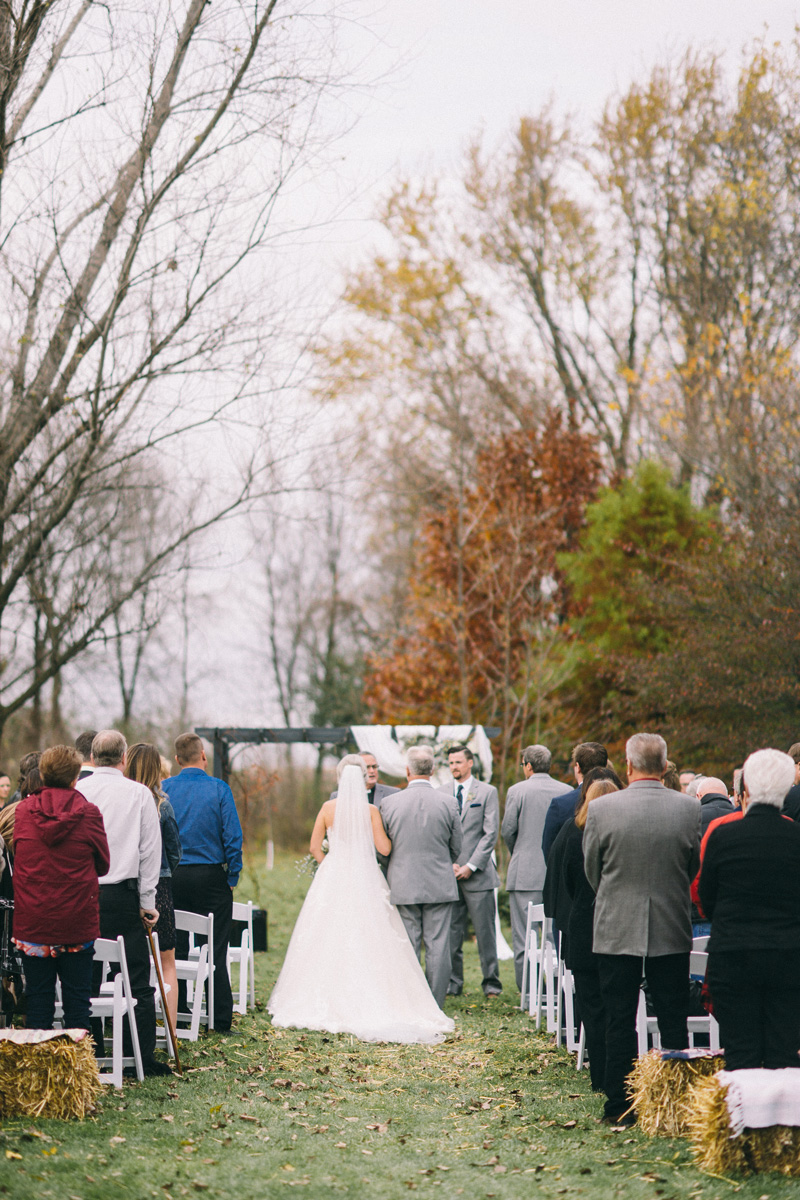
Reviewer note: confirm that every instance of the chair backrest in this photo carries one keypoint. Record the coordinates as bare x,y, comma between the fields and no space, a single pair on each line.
700,943
698,961
192,922
243,912
108,951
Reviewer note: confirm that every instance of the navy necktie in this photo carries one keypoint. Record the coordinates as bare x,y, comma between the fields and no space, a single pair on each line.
460,798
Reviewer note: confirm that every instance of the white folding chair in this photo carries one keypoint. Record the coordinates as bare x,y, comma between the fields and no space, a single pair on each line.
534,935
116,1001
700,943
580,1061
646,1027
707,1024
547,982
244,955
565,1007
198,973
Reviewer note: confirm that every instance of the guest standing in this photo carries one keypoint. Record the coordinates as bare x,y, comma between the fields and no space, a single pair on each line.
641,850
749,886
60,851
5,787
144,764
523,823
476,873
585,756
578,953
128,890
211,838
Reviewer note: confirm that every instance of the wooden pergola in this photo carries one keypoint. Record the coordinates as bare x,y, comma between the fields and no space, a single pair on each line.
222,738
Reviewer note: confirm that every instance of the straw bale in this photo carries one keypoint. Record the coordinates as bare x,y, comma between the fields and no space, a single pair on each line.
56,1078
776,1149
658,1088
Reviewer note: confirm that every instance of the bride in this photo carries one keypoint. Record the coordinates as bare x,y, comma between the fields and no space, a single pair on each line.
350,967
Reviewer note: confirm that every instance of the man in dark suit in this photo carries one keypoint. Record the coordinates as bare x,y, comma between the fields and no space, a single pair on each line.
83,744
714,801
585,756
479,812
791,805
641,850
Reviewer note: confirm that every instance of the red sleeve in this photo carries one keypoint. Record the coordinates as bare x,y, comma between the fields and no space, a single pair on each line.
98,841
695,889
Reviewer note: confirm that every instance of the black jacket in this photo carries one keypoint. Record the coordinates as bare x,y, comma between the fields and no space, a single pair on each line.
750,882
555,896
579,956
791,805
711,807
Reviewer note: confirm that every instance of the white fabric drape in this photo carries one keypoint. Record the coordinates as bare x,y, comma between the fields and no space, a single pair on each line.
758,1098
378,740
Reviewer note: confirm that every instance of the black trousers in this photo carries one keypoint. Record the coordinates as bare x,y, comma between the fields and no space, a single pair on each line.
620,980
756,998
75,973
203,888
119,914
589,1003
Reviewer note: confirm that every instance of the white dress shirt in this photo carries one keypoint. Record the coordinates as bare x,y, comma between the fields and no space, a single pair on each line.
132,826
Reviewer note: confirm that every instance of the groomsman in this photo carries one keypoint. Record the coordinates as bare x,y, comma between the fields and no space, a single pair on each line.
527,804
479,810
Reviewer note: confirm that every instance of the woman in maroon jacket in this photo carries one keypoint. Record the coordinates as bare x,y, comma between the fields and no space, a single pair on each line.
60,850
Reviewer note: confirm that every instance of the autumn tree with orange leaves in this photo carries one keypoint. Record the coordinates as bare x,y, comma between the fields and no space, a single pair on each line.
485,638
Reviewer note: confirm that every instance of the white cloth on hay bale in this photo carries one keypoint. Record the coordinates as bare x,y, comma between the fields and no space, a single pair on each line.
758,1098
35,1037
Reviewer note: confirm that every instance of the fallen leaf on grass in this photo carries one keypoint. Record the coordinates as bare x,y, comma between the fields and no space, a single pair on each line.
287,1167
167,1117
12,1154
172,1095
500,1170
379,1128
200,1187
247,1117
116,1141
569,1124
321,1129
341,1146
282,1083
649,1177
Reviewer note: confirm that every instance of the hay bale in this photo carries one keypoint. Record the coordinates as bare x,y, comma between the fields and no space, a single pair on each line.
53,1078
658,1088
707,1125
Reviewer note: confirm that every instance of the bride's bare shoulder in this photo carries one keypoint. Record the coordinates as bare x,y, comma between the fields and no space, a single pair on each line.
327,811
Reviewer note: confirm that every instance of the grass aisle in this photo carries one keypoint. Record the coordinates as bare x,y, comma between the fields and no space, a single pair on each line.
494,1112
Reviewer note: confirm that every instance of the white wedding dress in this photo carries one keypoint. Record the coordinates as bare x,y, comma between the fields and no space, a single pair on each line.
350,967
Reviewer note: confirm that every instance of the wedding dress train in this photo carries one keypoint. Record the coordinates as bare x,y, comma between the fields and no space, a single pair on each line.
350,967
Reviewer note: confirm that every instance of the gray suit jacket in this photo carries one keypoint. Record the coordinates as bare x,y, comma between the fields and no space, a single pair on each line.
480,825
523,822
426,840
641,849
381,790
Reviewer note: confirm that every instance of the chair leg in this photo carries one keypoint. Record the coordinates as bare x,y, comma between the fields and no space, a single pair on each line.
581,1049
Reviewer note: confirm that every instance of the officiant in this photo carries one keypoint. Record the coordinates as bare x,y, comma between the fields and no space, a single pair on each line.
477,877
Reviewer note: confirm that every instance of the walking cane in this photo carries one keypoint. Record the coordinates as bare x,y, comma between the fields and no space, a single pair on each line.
172,1036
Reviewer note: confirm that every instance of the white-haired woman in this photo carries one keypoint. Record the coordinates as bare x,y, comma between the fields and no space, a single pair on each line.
749,887
350,966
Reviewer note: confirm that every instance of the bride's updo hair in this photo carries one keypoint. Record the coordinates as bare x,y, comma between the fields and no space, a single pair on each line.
351,760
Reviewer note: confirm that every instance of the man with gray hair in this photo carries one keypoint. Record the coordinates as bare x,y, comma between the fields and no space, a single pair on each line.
641,851
128,891
523,824
425,831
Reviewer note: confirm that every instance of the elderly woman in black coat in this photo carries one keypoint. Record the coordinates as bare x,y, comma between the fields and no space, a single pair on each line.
749,887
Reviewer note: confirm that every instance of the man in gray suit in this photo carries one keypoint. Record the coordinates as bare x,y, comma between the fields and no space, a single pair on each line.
475,871
641,849
425,832
523,822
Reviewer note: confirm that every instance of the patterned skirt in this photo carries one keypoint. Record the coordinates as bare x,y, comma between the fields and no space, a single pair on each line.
165,925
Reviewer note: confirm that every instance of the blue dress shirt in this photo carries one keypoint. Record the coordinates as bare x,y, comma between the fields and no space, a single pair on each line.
208,822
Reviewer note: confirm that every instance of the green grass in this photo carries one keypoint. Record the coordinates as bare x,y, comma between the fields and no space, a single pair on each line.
495,1112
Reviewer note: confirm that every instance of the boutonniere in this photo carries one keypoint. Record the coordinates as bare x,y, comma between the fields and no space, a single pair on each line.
471,795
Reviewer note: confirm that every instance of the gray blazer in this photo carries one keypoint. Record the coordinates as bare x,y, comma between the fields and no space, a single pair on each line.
641,849
480,825
426,840
523,822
